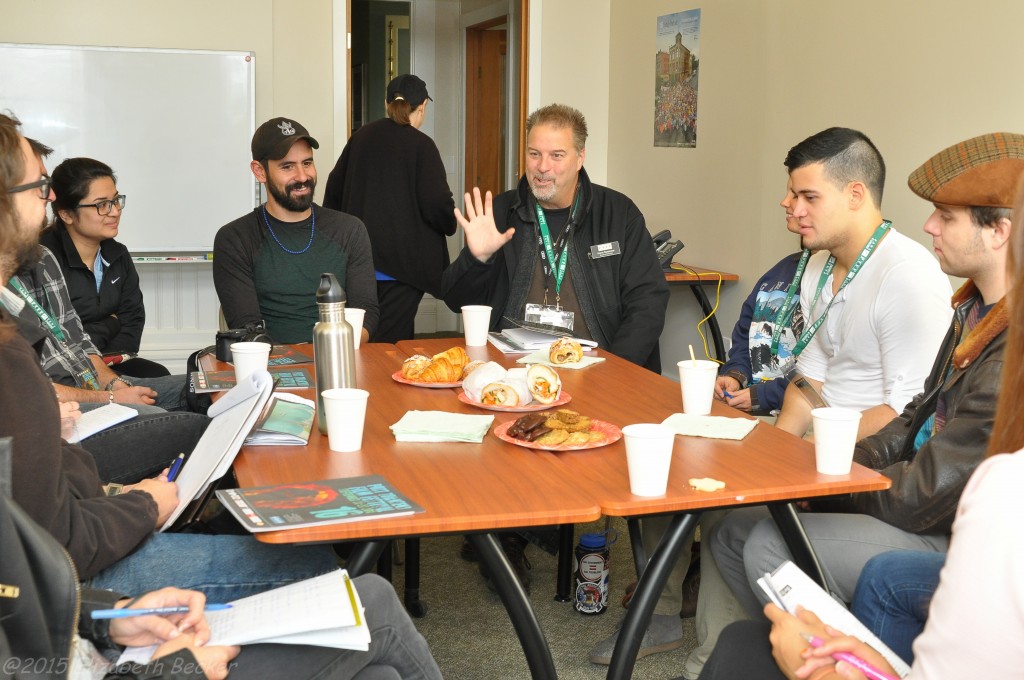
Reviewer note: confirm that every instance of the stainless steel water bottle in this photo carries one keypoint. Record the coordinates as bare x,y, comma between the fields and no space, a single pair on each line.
334,356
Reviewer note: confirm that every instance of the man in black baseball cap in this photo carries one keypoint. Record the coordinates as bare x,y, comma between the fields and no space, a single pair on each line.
267,264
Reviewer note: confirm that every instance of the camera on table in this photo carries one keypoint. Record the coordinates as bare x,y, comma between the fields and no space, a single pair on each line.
253,332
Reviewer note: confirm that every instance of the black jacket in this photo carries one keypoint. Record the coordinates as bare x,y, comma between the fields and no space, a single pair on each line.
392,178
115,317
927,483
623,297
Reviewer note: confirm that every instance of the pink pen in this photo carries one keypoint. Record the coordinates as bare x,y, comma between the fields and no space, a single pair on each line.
860,664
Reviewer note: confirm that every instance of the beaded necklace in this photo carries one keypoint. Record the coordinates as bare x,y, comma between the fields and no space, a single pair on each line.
312,231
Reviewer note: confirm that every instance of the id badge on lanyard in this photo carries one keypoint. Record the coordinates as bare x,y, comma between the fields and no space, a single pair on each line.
552,315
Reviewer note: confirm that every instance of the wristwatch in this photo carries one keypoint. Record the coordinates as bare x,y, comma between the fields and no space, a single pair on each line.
121,379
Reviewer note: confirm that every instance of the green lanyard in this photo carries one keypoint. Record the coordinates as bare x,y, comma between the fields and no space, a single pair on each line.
558,271
48,321
87,377
869,248
789,306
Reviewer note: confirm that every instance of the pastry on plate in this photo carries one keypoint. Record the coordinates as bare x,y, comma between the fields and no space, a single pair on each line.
414,365
565,351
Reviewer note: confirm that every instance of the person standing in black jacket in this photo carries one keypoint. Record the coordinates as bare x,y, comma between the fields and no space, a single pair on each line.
100,276
391,176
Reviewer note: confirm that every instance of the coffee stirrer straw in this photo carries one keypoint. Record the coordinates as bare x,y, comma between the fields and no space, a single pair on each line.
692,357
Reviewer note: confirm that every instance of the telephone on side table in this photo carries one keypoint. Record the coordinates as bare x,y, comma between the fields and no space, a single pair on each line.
666,248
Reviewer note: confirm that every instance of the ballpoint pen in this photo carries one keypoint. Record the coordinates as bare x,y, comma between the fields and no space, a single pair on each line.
158,611
860,664
726,394
176,464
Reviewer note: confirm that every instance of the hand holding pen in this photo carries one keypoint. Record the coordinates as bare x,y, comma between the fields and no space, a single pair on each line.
854,659
145,630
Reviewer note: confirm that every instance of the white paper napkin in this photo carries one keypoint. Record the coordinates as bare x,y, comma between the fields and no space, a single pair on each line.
712,427
441,426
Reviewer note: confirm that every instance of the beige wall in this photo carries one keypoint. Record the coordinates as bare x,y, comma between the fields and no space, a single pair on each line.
915,76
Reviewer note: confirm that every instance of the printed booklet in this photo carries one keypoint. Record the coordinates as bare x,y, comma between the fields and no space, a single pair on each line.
306,504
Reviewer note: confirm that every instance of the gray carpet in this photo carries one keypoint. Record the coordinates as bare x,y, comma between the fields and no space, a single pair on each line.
470,633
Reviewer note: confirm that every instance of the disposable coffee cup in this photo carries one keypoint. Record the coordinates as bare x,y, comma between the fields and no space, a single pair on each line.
476,320
249,357
648,457
697,381
345,410
835,436
354,316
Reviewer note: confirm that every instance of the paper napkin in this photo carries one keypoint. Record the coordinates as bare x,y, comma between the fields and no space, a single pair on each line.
542,357
712,427
441,426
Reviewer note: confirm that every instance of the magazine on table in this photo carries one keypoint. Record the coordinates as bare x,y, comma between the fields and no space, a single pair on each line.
305,504
287,420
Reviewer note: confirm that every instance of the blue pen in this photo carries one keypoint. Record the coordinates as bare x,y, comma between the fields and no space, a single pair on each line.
726,394
158,611
176,464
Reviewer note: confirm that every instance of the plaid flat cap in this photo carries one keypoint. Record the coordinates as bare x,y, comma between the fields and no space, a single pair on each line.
982,171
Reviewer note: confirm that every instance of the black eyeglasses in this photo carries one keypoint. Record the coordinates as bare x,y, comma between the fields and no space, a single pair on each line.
104,207
43,185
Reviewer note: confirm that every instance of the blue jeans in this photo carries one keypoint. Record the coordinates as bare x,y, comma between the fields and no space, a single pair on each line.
169,389
143,446
224,568
893,595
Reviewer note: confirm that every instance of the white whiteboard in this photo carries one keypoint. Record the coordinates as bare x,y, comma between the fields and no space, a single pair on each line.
175,126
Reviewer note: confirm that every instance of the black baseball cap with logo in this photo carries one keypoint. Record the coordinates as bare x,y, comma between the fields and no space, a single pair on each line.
274,139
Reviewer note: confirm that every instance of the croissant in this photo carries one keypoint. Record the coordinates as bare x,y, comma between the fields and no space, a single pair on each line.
414,365
457,356
440,370
565,351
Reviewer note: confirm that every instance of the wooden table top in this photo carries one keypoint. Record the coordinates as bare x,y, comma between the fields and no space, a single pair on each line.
767,465
464,487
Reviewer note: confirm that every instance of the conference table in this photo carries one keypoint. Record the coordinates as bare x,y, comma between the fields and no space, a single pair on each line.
478,489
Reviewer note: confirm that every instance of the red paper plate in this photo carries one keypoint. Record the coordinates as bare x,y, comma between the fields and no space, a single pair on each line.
610,433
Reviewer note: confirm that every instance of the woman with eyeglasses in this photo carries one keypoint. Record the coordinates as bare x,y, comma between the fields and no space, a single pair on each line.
100,275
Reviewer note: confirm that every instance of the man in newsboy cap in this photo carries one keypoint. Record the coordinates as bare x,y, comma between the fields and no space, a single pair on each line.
931,449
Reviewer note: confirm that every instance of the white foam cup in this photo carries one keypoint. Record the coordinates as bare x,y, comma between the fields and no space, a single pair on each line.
648,457
354,316
697,381
835,436
476,320
249,357
345,410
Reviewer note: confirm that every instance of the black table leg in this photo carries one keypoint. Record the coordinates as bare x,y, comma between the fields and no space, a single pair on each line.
413,605
363,556
641,607
517,604
563,582
636,542
788,521
716,332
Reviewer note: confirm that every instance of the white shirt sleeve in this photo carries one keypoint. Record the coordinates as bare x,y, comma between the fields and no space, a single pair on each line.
975,625
912,317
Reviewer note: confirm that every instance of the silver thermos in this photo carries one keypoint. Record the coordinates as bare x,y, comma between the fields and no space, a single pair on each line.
334,354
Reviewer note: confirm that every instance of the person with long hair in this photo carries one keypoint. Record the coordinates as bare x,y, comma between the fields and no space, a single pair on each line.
391,176
98,270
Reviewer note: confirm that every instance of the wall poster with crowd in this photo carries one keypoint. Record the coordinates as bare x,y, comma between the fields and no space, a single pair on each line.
676,70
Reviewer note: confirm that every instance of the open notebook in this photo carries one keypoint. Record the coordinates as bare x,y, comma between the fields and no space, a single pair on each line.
324,611
234,415
788,586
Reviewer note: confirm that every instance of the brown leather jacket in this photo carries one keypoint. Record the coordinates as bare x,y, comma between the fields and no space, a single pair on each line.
927,483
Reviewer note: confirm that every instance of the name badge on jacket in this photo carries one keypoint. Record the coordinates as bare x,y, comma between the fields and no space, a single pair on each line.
605,250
